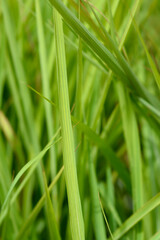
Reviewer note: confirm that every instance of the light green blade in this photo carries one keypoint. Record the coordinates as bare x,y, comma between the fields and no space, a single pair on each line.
75,211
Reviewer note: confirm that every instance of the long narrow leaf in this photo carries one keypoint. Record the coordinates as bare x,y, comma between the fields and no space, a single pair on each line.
76,218
136,217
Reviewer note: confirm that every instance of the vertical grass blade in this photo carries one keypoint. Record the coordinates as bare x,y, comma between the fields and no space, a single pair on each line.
78,107
78,98
53,228
98,222
21,76
46,93
133,147
75,211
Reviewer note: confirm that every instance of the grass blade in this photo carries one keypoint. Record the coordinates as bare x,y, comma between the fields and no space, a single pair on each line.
106,151
133,147
156,236
76,218
98,222
46,92
37,208
53,228
137,216
105,54
151,62
24,169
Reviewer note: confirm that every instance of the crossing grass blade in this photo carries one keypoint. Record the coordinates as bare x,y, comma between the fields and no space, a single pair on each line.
122,68
27,223
121,44
156,236
106,151
97,219
100,143
109,205
33,162
137,216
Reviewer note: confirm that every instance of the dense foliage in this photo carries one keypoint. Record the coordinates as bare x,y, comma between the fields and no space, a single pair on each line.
79,119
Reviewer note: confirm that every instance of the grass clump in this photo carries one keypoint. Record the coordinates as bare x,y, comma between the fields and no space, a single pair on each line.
79,93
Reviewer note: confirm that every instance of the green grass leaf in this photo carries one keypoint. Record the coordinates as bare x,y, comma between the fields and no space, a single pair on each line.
76,218
137,216
151,62
53,228
122,69
32,162
27,223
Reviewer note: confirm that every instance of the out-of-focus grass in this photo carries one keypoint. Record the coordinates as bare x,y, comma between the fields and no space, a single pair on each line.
99,64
